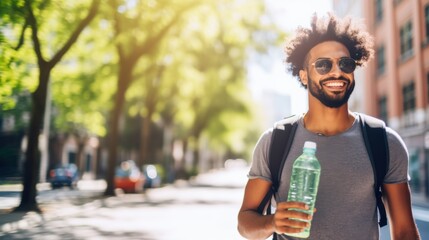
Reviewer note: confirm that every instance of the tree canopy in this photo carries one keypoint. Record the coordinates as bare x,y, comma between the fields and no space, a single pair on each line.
178,65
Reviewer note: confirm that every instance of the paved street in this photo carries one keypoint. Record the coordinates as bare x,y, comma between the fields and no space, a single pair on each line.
181,211
204,208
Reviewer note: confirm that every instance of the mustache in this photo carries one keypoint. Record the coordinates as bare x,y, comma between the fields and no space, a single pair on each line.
333,79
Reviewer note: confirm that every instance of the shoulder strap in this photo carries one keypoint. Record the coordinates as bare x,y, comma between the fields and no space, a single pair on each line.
281,141
375,138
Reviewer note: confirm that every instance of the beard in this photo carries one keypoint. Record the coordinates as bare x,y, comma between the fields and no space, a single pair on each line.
335,101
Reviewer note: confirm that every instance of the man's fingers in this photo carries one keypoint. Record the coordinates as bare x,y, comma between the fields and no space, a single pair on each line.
292,217
291,226
286,214
297,205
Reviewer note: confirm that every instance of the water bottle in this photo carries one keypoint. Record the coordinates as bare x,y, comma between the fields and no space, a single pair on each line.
304,182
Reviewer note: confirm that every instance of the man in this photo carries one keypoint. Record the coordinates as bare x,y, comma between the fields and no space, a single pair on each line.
323,58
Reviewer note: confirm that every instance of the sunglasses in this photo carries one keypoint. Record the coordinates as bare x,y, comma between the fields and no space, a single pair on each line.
324,65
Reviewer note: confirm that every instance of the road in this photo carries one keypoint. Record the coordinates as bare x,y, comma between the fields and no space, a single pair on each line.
205,208
185,210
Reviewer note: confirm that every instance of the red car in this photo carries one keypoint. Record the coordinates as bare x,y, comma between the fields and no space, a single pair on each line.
129,178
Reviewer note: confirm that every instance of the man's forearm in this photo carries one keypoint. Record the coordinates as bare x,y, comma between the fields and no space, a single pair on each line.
252,225
409,234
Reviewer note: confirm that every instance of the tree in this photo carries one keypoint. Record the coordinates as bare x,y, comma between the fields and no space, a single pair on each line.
156,19
216,102
199,74
10,15
32,13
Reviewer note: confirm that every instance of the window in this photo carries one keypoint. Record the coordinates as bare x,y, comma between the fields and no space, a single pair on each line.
382,106
378,10
414,169
409,98
381,62
406,36
88,163
427,88
427,22
72,157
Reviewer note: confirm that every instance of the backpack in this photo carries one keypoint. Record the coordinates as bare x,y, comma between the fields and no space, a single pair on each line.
375,138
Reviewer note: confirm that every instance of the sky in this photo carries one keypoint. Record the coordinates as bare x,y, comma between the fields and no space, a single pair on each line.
271,73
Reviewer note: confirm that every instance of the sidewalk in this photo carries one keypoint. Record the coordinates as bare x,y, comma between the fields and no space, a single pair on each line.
91,199
14,221
420,201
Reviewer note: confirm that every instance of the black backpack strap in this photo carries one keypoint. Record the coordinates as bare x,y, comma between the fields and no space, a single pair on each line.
375,138
281,141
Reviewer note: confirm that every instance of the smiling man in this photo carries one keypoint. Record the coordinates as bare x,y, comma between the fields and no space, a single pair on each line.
323,58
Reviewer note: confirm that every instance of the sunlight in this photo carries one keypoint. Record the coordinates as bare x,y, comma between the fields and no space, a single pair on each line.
290,14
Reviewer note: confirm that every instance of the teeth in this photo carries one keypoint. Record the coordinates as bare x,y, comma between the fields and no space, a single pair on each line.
335,84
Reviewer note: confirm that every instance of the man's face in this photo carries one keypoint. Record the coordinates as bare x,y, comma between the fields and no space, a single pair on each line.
333,86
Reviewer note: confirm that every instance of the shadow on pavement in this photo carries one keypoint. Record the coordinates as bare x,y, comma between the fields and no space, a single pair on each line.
85,212
74,218
88,214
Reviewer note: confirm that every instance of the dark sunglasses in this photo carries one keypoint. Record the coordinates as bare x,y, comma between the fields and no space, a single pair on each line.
324,65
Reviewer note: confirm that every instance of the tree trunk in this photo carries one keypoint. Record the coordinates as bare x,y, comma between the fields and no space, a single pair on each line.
32,156
181,167
196,161
144,142
80,156
124,79
56,146
167,152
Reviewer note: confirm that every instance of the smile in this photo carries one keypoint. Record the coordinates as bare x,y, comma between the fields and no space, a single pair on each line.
334,84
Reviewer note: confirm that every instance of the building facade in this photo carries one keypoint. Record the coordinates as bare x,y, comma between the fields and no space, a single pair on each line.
396,80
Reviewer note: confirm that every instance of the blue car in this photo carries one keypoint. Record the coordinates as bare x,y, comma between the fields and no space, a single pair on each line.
66,175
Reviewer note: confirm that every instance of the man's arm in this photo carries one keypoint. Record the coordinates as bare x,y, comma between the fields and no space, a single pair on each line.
253,225
397,199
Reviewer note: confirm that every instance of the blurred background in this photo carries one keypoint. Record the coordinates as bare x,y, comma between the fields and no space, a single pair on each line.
141,94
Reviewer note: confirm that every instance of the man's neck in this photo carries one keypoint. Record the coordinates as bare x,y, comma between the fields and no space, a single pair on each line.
328,121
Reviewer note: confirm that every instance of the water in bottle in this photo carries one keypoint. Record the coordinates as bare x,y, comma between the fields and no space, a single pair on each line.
304,181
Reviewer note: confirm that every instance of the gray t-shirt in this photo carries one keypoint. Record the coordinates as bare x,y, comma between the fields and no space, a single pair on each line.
346,205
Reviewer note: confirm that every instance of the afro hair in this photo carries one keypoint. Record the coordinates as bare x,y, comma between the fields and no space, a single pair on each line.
358,41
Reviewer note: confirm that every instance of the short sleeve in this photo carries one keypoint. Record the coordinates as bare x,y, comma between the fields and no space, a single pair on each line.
398,163
259,167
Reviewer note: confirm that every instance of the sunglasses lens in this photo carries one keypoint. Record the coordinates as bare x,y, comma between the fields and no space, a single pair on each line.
323,66
347,65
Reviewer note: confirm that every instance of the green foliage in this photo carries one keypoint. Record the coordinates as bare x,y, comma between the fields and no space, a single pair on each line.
190,74
8,17
84,82
196,78
19,72
208,56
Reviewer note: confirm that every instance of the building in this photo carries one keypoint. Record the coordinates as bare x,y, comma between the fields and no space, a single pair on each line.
396,81
57,149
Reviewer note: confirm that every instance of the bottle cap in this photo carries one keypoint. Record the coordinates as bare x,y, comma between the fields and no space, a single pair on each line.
309,144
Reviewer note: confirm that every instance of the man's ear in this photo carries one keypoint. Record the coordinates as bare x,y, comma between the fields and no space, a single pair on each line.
303,77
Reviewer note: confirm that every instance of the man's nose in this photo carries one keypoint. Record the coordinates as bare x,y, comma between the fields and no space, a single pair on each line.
336,71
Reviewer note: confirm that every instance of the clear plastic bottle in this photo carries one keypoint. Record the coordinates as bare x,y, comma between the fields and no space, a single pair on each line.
304,181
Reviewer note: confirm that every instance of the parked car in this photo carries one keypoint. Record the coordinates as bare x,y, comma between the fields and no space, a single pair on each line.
128,177
153,178
64,175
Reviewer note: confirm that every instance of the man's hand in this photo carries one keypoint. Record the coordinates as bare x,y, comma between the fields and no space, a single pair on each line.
288,220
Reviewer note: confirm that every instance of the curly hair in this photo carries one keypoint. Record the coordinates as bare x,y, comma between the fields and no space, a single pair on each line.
358,41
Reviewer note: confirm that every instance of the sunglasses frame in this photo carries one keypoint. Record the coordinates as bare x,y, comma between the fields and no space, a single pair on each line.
339,61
